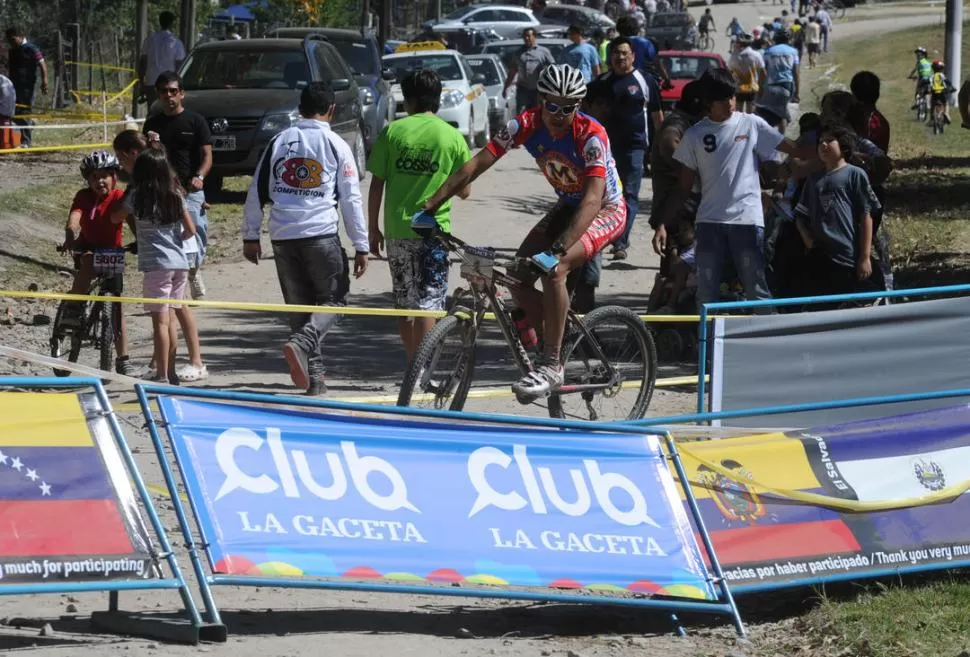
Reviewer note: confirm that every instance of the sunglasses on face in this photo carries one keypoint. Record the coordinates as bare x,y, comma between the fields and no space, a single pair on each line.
169,91
562,110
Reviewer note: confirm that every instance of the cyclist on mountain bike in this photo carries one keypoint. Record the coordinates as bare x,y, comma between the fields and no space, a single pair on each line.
940,88
706,24
573,152
921,73
89,228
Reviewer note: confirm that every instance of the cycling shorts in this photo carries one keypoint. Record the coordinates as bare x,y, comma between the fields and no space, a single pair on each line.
939,99
606,228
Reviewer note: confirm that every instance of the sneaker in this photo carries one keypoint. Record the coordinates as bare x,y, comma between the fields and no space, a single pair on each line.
540,382
317,387
298,360
124,366
196,284
192,373
913,107
619,254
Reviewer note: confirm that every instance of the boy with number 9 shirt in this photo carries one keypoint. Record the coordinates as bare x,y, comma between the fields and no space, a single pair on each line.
720,152
411,159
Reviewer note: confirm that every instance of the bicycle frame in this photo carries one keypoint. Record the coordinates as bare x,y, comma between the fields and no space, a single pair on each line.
484,297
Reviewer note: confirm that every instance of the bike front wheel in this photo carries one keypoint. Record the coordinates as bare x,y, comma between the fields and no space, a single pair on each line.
621,387
106,335
441,373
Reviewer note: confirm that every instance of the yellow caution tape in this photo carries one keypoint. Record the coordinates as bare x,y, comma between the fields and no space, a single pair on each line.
837,504
123,92
49,149
106,67
267,307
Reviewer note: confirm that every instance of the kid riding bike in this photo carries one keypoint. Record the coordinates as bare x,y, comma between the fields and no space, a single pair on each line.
940,89
95,242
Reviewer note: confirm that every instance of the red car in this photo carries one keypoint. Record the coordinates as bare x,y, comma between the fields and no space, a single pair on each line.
684,66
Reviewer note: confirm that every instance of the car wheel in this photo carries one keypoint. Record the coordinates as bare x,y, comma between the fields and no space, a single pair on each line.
360,152
483,137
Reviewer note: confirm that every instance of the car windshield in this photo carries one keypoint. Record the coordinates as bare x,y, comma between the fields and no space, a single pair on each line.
461,12
357,54
669,20
246,69
445,66
688,68
487,68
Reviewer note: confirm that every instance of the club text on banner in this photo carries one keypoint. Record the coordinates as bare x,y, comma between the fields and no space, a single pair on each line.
287,493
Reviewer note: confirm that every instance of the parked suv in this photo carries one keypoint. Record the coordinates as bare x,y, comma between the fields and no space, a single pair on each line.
363,55
249,90
506,20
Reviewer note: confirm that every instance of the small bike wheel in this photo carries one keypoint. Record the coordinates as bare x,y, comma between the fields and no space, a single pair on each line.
921,111
441,373
64,344
106,335
629,347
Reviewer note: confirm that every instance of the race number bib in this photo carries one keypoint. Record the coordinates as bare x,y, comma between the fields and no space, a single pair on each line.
109,261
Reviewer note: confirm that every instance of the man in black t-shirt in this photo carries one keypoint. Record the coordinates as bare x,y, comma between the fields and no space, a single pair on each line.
188,142
25,60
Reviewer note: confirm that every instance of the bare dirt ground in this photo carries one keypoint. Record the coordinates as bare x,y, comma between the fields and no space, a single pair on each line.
365,359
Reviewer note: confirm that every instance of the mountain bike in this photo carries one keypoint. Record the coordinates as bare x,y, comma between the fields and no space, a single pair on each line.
609,356
938,118
705,42
97,323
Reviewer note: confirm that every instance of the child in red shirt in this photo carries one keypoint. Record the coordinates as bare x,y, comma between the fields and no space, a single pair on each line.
89,227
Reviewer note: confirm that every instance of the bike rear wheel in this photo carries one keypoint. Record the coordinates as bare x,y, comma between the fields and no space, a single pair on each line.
64,343
441,373
106,334
921,110
631,352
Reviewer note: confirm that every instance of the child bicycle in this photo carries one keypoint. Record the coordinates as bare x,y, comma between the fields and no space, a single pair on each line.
597,371
98,322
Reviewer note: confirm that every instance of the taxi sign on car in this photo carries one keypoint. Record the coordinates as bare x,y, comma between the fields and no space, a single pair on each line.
420,45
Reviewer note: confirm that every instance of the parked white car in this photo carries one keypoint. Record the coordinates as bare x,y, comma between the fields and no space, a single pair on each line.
464,103
500,107
506,20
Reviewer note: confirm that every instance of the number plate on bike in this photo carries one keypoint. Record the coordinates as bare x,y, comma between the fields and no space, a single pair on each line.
478,262
109,261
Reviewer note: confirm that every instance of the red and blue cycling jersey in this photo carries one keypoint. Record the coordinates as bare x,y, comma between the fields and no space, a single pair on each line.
566,161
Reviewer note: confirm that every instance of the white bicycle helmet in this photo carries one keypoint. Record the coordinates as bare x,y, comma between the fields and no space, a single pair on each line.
561,81
98,160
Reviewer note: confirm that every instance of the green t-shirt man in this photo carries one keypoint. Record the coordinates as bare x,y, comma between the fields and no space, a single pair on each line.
414,156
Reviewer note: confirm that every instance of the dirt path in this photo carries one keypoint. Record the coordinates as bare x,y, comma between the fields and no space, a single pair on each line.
365,358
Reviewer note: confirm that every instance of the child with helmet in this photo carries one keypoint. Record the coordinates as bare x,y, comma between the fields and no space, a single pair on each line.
89,227
940,89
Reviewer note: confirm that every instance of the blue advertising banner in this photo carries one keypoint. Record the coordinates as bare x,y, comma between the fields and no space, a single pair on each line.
287,493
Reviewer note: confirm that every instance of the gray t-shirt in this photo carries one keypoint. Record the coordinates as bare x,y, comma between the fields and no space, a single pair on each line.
833,204
531,61
159,244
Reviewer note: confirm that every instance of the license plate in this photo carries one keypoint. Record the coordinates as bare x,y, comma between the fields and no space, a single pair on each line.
109,261
224,143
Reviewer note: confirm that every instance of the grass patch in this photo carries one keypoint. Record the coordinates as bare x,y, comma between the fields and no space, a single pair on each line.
928,203
916,620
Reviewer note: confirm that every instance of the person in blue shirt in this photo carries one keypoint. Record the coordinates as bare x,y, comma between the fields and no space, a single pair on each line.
644,51
636,104
580,54
781,67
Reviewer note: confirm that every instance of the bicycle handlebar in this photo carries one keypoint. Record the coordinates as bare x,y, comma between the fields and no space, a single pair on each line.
131,247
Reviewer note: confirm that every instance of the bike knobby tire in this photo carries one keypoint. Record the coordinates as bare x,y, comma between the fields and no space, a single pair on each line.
580,366
58,339
449,386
